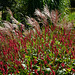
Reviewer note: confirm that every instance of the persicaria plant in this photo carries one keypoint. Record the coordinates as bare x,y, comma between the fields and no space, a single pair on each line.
50,52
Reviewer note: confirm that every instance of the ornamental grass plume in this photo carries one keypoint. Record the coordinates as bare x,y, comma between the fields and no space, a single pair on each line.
34,23
54,17
45,14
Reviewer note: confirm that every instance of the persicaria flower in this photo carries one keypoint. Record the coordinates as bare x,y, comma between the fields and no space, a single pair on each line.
52,42
3,70
46,30
27,66
42,58
15,67
73,70
18,71
50,73
47,44
62,39
36,72
45,62
22,41
35,61
31,43
62,64
31,65
5,66
16,49
43,72
53,72
48,57
17,62
26,50
4,52
22,66
23,55
1,63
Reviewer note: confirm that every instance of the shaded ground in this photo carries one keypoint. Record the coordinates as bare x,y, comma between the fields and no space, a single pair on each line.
0,13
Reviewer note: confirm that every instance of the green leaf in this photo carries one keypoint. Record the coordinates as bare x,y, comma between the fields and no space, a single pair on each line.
69,69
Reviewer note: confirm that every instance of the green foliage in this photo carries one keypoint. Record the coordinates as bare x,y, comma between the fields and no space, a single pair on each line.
20,8
71,16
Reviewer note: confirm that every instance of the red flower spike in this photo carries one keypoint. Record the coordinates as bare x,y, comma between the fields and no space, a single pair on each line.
35,61
25,39
29,73
50,68
23,55
58,66
53,72
22,67
31,43
73,70
46,30
1,63
52,42
43,72
15,67
50,73
27,67
31,66
36,72
48,57
22,41
45,62
62,64
7,72
11,73
47,44
42,58
26,50
3,73
3,70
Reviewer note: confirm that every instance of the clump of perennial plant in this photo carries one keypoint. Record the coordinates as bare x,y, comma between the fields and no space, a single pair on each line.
49,50
46,53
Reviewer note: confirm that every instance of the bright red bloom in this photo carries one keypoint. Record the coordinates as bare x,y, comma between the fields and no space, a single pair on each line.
73,70
35,61
1,63
62,64
45,62
36,72
47,44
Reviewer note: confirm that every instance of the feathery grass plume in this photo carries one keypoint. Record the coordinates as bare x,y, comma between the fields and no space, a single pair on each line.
41,17
54,16
67,25
7,25
33,23
8,29
26,32
44,15
5,31
46,11
14,20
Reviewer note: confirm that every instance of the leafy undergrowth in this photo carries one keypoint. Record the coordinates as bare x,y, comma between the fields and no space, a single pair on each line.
50,52
71,16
